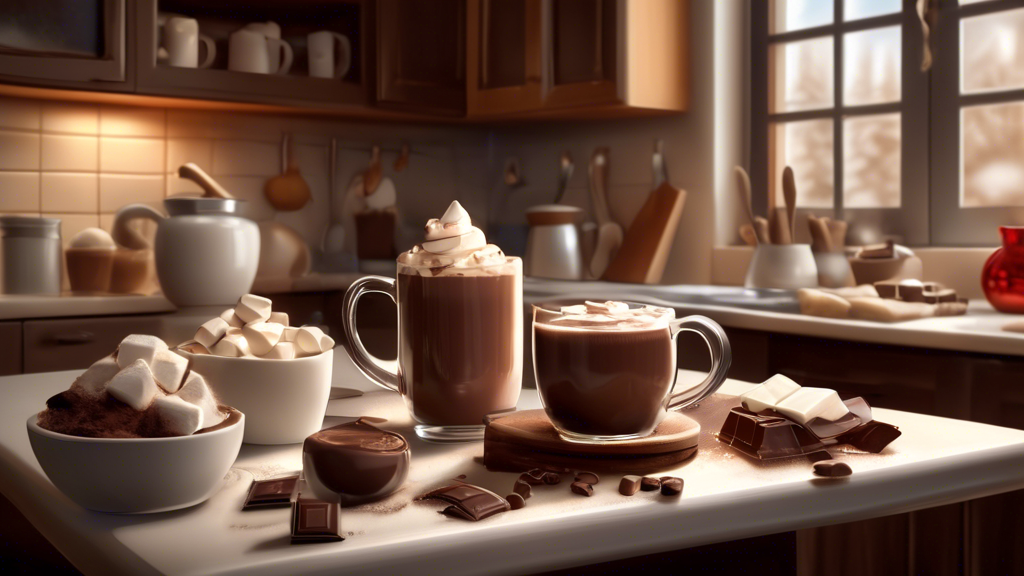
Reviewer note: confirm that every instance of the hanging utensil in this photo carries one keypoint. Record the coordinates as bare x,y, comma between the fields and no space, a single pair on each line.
609,232
402,162
743,187
565,170
372,174
288,191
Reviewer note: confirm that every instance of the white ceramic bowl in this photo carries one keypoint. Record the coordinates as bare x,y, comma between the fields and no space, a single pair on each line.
137,475
283,400
782,267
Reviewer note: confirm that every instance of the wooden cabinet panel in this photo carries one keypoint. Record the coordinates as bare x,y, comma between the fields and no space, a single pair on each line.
421,56
503,57
10,343
582,52
67,344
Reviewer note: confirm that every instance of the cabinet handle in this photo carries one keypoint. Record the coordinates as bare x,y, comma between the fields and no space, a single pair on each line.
80,337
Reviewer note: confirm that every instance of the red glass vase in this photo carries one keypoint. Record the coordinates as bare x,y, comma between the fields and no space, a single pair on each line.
1002,278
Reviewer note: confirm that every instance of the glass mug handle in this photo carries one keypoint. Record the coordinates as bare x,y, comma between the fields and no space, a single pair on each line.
367,363
721,359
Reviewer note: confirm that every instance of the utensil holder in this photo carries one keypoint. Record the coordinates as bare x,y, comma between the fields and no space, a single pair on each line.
782,267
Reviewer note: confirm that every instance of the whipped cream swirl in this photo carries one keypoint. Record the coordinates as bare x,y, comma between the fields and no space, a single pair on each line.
452,241
612,316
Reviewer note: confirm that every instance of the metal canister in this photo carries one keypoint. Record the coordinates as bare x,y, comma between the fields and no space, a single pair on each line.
32,255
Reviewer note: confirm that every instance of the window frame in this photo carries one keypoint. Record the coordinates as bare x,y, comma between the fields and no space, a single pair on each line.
910,221
952,225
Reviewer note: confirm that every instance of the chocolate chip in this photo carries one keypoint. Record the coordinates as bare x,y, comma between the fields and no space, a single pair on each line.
522,488
832,469
516,501
582,488
648,484
59,401
588,477
551,478
533,477
671,486
629,485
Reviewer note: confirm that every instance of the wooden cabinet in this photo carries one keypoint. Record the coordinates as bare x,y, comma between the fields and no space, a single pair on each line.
67,344
421,57
503,66
10,343
582,51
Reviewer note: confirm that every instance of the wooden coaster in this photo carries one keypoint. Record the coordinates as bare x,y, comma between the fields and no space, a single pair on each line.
525,440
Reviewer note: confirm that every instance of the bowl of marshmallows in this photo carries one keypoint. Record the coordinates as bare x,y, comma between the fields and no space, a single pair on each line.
278,375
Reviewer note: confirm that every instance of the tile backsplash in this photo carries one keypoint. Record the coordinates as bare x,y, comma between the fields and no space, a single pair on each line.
83,162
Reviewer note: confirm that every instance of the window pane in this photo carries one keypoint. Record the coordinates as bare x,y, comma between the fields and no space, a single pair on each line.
992,51
871,161
857,9
801,74
973,1
787,15
807,147
992,149
871,66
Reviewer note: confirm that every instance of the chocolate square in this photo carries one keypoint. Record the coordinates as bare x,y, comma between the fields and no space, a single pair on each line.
271,493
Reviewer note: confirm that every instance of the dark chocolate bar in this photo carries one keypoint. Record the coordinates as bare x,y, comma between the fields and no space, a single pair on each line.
766,437
468,502
314,520
872,437
271,493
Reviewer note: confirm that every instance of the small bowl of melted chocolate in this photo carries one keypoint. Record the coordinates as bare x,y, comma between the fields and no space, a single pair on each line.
355,463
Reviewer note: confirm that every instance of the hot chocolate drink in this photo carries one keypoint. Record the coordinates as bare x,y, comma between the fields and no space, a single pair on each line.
605,372
460,329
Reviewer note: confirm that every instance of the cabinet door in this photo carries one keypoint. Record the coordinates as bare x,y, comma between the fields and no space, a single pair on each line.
503,66
10,343
582,52
68,344
421,56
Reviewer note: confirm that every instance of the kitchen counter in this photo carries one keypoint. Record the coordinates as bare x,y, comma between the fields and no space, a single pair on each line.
980,330
23,306
726,496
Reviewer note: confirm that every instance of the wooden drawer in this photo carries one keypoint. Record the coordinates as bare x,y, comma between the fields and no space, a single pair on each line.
10,343
67,344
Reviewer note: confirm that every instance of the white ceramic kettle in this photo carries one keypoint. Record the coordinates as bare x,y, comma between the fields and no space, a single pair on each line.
205,253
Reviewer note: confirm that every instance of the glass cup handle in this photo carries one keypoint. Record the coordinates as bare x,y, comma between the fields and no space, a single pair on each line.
367,363
721,359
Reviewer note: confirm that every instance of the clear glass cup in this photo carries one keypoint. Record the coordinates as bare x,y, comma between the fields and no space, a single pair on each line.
607,383
460,344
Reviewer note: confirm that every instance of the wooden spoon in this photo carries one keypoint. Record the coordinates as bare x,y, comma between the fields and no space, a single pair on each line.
371,176
743,181
789,195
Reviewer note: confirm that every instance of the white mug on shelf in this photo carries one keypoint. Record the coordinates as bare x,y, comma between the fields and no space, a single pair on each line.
272,31
250,51
330,54
179,43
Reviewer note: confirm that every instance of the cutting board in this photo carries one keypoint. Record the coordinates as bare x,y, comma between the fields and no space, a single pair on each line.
644,252
525,440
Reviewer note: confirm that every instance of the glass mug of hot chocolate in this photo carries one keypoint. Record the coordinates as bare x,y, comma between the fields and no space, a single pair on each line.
460,329
606,371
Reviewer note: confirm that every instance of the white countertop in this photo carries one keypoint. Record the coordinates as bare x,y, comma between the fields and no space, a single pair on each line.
23,306
726,496
980,330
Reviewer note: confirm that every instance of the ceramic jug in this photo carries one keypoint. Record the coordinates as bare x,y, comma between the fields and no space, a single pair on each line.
1002,278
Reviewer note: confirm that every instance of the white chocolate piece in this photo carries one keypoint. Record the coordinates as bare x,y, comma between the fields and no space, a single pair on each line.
138,347
279,318
820,303
312,340
211,331
169,370
769,393
262,336
282,351
181,418
609,307
252,308
94,380
574,309
195,391
807,404
231,318
134,385
289,334
232,345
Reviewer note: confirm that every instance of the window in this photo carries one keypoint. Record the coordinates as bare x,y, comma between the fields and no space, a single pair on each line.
924,158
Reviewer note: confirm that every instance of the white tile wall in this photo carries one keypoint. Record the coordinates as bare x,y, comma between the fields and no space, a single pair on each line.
76,192
132,155
21,114
69,153
19,191
19,151
117,190
240,158
128,121
70,118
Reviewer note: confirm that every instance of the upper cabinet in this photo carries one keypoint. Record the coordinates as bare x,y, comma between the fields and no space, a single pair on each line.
481,60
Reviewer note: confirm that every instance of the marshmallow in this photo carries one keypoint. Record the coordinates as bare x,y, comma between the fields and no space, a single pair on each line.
252,308
93,238
181,418
195,391
211,331
282,351
807,404
312,340
231,318
134,385
289,334
94,380
232,345
279,318
169,370
138,347
262,336
767,395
